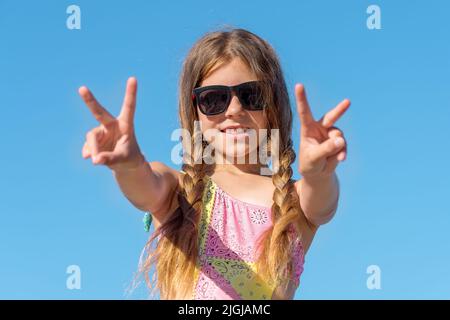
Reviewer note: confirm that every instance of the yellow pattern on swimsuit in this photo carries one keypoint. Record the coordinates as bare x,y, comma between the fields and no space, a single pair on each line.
228,233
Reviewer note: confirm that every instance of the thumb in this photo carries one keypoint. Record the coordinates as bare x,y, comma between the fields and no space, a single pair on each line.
108,158
328,148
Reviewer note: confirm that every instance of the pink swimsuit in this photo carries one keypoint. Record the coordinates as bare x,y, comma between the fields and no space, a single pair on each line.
228,232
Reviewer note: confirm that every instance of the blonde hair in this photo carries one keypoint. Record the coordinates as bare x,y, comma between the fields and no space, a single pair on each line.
175,255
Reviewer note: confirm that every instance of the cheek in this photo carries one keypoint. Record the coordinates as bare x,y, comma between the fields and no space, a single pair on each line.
261,123
259,119
208,127
205,123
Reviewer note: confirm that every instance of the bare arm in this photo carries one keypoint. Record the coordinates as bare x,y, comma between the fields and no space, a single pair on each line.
148,187
319,198
322,147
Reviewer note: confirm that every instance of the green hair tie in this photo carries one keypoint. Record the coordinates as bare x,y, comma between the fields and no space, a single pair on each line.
147,221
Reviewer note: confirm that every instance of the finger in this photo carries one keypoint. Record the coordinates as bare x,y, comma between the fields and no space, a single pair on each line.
129,102
304,112
110,157
100,113
92,139
332,163
333,115
342,155
327,148
85,151
334,132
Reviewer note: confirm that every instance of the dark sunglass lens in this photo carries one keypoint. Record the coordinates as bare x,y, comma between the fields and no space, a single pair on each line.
213,101
250,96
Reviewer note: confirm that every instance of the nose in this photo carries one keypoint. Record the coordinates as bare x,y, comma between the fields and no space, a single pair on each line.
235,107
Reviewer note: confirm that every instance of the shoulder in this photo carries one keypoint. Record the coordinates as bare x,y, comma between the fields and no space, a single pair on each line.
297,185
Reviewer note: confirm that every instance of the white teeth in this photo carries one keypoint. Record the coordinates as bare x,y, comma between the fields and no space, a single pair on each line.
236,131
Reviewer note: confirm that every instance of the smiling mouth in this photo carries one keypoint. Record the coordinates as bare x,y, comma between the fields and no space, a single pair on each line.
236,131
236,135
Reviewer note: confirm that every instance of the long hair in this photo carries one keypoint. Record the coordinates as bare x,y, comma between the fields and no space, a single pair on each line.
175,255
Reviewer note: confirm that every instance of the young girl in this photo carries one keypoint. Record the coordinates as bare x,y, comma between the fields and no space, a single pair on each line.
224,230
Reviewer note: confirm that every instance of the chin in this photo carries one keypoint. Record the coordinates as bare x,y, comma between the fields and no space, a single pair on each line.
230,155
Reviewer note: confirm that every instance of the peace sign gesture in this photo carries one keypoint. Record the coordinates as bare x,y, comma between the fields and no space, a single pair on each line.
113,142
322,145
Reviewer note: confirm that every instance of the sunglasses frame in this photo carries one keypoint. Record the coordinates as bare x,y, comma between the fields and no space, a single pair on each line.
229,89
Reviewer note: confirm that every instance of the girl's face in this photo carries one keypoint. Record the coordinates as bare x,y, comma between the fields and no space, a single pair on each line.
228,144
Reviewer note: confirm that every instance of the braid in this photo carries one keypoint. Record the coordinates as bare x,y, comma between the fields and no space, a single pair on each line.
177,250
179,245
193,166
285,211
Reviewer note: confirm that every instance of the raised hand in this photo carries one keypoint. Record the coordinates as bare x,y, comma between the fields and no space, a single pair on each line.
113,143
322,145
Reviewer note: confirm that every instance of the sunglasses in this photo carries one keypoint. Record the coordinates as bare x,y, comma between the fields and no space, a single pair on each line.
215,99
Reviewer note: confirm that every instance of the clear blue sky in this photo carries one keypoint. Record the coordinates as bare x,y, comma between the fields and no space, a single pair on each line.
58,209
